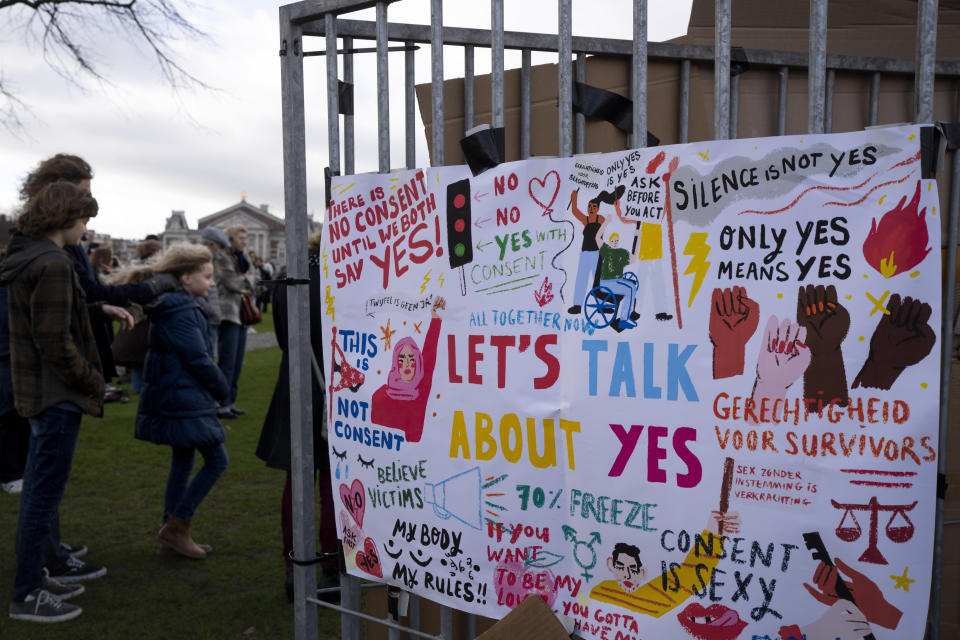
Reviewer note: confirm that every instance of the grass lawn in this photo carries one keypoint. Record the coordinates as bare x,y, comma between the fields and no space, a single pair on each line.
113,504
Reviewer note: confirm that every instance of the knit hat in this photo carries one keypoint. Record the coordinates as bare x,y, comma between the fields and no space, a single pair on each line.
212,234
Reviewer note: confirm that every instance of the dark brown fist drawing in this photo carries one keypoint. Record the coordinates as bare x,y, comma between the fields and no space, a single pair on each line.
827,322
902,338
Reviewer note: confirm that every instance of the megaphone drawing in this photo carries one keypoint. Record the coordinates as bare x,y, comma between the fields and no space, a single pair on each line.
457,497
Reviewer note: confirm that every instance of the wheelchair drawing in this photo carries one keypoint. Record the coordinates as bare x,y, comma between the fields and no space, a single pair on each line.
601,304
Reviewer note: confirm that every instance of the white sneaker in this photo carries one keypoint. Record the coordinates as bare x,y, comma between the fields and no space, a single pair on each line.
14,486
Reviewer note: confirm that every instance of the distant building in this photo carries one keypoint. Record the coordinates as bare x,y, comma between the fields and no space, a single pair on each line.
265,232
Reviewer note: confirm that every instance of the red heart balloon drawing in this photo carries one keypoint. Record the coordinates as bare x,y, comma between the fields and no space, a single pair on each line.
541,189
352,498
369,559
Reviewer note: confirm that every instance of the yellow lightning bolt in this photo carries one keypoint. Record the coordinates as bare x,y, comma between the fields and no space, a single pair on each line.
698,248
329,299
440,278
426,279
326,272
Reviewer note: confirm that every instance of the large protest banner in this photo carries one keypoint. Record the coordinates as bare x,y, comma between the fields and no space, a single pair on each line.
680,392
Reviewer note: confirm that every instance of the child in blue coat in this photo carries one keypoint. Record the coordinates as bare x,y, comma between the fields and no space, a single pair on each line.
181,390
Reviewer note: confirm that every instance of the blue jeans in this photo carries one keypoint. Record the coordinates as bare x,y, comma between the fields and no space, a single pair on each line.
231,345
136,378
181,499
625,288
586,269
53,438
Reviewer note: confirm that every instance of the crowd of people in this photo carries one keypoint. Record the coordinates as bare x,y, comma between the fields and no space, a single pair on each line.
183,317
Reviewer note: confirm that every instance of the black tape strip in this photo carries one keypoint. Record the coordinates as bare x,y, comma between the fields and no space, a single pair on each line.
327,177
288,282
606,105
929,152
738,61
950,131
345,97
483,149
942,486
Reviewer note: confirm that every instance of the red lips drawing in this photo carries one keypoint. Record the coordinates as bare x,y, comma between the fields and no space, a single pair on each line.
715,622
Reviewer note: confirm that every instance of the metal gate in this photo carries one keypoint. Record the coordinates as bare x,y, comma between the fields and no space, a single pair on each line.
313,19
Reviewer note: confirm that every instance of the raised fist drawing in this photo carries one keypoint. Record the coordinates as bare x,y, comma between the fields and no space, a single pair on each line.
902,338
783,358
826,322
733,321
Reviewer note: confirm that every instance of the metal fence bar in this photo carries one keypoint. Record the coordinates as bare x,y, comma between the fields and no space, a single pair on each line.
410,106
414,611
496,53
874,98
926,57
721,70
564,51
350,599
298,309
946,361
467,88
828,102
436,76
684,101
446,623
782,85
580,119
383,90
734,106
387,622
624,47
638,79
525,104
816,72
348,159
333,92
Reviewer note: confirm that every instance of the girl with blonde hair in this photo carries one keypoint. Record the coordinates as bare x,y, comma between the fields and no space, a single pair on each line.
182,387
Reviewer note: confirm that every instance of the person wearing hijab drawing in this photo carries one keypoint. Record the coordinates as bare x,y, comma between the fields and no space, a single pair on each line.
402,402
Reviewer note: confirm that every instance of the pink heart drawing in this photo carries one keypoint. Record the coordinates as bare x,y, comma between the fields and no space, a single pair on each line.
352,498
368,560
351,534
537,187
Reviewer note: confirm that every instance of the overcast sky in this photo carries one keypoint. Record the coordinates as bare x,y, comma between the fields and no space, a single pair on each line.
154,151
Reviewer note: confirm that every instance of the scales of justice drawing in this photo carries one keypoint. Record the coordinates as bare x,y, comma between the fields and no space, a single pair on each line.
896,530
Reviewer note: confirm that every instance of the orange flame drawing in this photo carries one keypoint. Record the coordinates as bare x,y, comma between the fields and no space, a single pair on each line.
899,242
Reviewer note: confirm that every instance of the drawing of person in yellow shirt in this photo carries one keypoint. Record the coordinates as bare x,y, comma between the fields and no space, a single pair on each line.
628,590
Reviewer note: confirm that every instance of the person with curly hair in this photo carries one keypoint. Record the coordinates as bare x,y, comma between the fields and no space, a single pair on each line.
61,558
56,379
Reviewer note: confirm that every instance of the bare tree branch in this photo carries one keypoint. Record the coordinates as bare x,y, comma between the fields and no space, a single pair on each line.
63,29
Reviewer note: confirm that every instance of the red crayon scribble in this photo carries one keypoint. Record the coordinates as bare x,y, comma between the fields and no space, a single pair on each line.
673,249
898,242
867,194
653,164
880,472
805,192
911,160
889,485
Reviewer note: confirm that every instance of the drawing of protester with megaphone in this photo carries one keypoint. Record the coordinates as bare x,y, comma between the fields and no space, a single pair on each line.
402,402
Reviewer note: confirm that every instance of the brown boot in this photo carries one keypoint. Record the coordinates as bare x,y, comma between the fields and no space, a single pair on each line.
175,534
163,547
